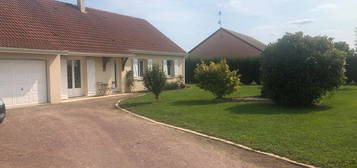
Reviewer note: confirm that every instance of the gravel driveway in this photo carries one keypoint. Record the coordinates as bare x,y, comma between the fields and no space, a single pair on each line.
93,134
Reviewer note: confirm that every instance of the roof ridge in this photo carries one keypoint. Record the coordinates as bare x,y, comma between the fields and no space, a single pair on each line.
101,10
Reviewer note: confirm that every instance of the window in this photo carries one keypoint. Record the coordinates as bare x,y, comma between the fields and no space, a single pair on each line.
170,68
139,67
74,74
77,74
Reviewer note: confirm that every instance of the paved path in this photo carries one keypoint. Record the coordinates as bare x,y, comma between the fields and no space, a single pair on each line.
93,134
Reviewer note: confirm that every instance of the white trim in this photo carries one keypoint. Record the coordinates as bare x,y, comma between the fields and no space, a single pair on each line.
164,66
98,54
58,52
176,67
136,68
158,53
66,52
31,51
91,84
150,64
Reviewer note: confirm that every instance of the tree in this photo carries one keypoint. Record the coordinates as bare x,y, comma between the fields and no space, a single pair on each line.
155,80
217,78
351,61
299,70
356,39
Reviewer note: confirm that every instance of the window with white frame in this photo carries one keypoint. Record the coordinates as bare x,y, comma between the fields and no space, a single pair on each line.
140,66
171,67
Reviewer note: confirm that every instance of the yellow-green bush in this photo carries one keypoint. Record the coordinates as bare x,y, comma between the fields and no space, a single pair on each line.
217,78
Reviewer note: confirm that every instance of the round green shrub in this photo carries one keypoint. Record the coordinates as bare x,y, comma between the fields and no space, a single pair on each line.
299,70
217,78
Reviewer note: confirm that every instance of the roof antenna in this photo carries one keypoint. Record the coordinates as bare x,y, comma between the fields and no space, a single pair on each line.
220,19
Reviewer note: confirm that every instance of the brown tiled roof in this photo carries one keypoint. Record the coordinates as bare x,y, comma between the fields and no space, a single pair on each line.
53,25
227,43
250,40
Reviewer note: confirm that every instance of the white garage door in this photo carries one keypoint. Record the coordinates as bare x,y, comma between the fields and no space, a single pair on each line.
23,82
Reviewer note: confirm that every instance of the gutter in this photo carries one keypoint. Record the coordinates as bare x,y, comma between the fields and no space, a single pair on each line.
66,52
32,51
159,53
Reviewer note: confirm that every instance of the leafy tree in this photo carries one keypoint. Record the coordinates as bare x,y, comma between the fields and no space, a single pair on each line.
356,39
299,70
217,78
351,61
155,80
351,69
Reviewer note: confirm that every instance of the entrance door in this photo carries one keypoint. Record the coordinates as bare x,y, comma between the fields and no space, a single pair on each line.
114,76
74,76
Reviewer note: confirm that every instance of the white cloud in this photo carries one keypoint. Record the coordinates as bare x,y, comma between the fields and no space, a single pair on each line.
302,21
326,6
235,3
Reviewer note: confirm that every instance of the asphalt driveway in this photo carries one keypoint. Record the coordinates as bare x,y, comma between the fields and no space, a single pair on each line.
93,134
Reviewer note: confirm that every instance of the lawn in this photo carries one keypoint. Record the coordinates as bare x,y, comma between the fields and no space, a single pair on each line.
324,136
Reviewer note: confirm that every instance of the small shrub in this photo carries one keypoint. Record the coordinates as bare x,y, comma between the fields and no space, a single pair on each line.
217,78
155,80
248,67
129,80
172,85
299,70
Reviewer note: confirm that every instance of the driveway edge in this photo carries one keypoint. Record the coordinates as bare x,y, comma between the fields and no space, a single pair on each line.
210,137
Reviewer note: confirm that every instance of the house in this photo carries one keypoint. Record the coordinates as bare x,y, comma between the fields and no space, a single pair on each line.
227,43
51,51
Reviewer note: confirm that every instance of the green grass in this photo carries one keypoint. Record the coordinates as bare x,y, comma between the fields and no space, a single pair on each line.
325,136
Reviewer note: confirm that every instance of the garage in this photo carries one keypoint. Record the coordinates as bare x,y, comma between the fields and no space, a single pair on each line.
23,82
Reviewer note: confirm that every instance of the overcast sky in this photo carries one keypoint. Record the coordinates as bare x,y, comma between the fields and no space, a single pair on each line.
188,22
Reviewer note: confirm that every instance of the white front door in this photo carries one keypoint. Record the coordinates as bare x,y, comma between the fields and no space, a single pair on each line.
23,82
74,78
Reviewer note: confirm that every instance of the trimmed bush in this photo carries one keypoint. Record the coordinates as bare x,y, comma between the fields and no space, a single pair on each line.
155,80
299,70
248,68
217,78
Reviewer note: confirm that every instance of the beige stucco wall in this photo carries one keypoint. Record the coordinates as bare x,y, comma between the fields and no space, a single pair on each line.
53,69
106,76
53,63
139,84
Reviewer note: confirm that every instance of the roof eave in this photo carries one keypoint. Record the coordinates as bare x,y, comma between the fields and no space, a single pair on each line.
144,52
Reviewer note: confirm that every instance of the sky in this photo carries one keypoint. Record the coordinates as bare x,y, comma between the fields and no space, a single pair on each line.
188,22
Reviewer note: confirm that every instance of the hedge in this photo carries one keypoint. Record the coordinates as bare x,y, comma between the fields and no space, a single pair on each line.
248,67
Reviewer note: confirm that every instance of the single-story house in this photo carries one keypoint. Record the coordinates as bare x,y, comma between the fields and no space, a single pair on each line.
227,43
51,51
